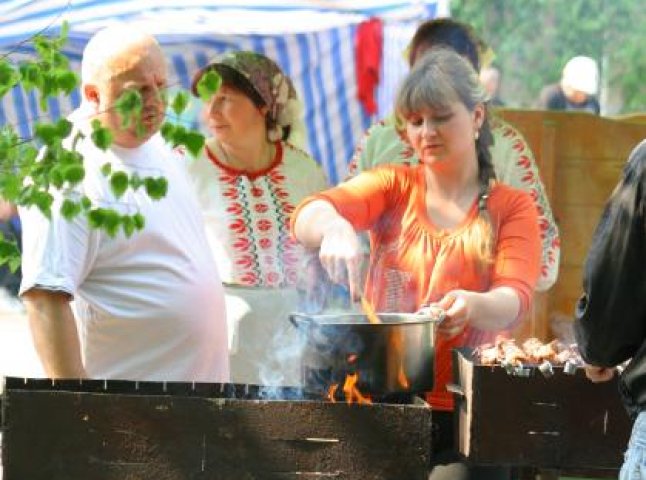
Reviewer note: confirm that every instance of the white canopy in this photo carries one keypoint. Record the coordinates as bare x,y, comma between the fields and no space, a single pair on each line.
313,41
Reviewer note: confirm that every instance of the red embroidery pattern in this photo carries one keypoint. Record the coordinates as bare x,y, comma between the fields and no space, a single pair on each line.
258,209
529,179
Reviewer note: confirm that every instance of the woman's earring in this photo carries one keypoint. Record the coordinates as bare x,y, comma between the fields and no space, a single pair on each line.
477,135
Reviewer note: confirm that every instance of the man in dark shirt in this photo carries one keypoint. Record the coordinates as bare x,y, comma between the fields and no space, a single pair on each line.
610,323
577,89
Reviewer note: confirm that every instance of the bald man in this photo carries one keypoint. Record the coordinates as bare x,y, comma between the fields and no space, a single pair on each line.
148,307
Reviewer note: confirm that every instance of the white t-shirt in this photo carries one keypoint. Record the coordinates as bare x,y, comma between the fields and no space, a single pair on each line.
148,307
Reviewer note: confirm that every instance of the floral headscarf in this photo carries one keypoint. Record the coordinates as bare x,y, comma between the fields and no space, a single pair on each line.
269,81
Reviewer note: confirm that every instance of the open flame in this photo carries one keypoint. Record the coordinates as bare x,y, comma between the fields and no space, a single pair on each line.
332,392
402,379
351,392
395,361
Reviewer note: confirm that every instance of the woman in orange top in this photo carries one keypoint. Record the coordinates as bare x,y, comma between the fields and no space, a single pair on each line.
443,232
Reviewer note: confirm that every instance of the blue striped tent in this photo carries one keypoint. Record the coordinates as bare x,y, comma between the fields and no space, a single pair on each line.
313,41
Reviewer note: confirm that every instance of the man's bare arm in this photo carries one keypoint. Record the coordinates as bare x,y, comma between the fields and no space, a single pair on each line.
54,332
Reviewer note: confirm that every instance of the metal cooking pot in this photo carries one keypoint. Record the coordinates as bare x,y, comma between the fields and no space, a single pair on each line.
395,356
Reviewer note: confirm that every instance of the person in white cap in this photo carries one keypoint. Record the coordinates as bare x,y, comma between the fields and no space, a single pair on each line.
577,89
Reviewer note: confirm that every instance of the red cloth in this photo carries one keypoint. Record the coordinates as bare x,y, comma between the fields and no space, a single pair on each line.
367,56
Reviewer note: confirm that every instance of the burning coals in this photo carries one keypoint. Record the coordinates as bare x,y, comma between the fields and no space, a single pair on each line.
519,360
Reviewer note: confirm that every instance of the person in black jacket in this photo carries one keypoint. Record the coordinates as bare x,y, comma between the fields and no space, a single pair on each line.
610,323
577,89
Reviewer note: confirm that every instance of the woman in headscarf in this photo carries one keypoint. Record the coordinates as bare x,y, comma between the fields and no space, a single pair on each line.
248,183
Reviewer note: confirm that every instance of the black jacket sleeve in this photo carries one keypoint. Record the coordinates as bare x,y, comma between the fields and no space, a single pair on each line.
610,317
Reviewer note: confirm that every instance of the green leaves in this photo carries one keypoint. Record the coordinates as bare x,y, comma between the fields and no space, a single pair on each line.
156,188
10,187
70,209
101,136
65,28
110,221
208,85
9,253
43,200
194,142
106,219
53,134
74,174
66,80
30,75
9,77
168,132
47,133
139,221
119,183
63,128
49,72
16,158
180,102
128,225
86,203
178,135
129,106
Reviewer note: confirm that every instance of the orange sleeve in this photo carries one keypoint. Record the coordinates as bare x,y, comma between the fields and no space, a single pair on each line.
360,200
518,246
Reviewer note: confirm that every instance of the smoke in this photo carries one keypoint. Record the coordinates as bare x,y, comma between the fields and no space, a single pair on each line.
280,366
270,349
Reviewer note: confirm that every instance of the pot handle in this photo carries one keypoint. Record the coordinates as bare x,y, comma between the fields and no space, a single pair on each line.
428,311
298,319
456,389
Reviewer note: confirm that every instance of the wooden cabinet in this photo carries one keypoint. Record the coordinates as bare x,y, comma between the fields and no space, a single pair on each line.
580,157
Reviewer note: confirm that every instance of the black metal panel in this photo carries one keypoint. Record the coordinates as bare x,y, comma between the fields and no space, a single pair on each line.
52,432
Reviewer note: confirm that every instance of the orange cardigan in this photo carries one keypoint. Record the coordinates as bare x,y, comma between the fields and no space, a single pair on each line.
413,263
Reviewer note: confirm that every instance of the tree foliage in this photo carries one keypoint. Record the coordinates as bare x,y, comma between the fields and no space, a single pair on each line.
533,39
32,170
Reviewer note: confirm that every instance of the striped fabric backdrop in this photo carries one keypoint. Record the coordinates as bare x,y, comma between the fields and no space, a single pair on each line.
314,47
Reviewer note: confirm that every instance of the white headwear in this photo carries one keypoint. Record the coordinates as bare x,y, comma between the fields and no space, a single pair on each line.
582,74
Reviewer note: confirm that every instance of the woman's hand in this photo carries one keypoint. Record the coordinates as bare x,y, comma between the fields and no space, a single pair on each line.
598,374
456,305
491,311
341,256
319,225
